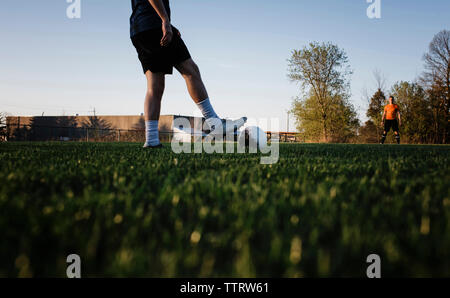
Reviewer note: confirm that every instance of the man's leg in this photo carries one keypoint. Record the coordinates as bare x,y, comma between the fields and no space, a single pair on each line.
396,131
191,73
197,90
383,137
397,137
152,108
387,127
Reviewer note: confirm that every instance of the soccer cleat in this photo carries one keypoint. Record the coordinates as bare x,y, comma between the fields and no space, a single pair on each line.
152,147
227,126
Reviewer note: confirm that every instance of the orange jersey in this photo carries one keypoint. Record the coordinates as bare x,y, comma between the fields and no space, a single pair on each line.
391,111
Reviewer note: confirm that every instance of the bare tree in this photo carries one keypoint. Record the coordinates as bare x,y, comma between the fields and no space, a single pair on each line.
380,80
322,70
376,98
381,84
437,74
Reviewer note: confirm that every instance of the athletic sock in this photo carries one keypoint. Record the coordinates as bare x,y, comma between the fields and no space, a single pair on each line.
207,109
151,133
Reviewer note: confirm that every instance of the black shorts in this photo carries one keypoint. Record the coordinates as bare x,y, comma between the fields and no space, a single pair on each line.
155,57
388,124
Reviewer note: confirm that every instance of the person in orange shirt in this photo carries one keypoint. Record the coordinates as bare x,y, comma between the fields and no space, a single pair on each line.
389,120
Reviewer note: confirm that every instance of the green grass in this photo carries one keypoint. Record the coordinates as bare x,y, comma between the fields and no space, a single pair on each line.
320,211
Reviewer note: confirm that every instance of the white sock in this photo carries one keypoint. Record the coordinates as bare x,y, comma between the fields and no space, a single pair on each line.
151,133
207,109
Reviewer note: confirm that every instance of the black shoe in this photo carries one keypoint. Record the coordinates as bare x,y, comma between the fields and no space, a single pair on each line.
153,147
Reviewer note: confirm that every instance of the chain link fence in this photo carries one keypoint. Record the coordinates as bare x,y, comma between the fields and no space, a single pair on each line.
24,132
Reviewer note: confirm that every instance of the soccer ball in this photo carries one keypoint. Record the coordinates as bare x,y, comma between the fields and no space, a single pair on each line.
253,137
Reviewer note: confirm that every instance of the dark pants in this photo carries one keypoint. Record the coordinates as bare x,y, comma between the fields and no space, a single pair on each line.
388,124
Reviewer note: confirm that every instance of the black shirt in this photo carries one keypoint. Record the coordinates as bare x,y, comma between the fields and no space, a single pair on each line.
144,17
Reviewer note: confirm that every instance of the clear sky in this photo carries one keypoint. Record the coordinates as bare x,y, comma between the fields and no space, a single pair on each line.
55,65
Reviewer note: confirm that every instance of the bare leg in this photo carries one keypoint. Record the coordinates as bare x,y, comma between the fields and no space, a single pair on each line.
191,73
397,137
155,90
383,137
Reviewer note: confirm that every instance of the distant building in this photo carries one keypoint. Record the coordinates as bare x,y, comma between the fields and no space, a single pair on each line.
102,128
105,128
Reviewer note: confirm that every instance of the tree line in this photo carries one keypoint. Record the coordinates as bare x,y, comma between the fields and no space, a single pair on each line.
324,113
53,127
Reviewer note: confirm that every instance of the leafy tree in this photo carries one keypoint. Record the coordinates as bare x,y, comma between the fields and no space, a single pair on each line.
415,111
375,111
342,121
368,132
308,119
322,71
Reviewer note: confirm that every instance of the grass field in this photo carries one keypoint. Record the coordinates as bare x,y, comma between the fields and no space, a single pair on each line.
319,212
